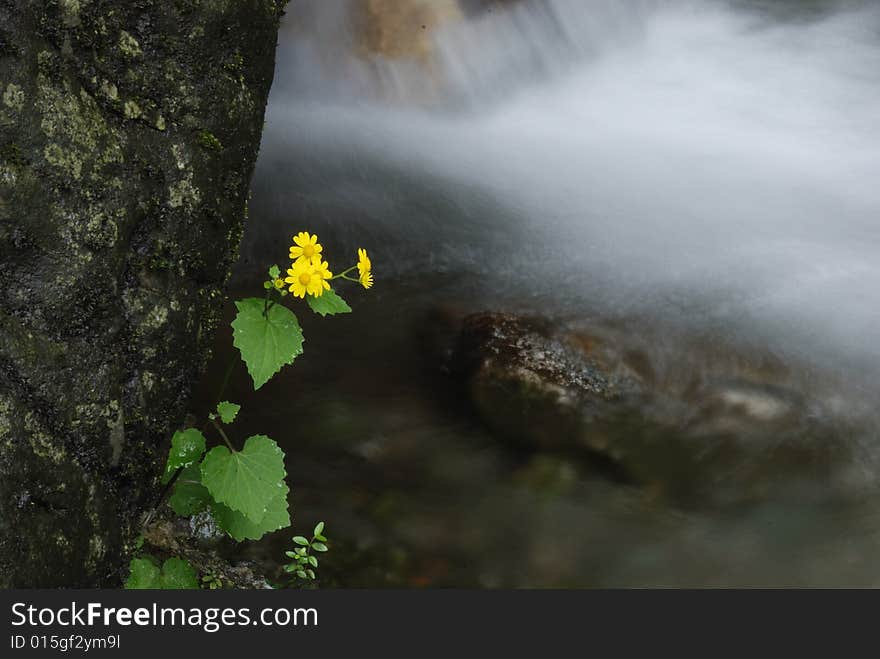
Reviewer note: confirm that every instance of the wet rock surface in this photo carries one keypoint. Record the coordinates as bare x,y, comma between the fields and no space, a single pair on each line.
195,539
128,135
701,429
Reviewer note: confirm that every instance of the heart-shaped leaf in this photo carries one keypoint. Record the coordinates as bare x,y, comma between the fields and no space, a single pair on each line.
267,341
248,480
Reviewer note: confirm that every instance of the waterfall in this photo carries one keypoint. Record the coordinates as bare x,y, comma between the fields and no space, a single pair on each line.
715,162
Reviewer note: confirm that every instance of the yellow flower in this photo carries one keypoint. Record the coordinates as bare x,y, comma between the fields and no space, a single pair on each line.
308,277
364,263
365,268
321,275
279,284
305,248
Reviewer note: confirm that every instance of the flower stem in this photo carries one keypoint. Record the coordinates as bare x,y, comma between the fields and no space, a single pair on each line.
343,273
223,435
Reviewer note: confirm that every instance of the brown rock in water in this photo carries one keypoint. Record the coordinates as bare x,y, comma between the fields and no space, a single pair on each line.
400,29
700,427
530,384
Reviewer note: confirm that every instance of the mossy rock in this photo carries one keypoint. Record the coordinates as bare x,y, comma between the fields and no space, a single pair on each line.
118,230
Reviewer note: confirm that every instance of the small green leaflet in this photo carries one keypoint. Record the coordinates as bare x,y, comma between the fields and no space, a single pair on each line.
187,447
328,304
190,496
227,411
274,272
240,527
248,480
178,574
175,574
144,574
266,343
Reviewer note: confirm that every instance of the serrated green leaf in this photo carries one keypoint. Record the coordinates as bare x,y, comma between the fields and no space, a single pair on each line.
319,529
274,271
319,546
328,304
190,496
227,411
187,446
144,574
178,574
240,527
266,342
248,480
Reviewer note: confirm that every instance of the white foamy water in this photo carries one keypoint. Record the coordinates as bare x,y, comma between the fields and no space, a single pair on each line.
677,157
711,166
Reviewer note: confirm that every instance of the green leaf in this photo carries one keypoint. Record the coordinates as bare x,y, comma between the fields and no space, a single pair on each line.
190,496
187,447
298,539
313,561
144,574
247,480
319,546
227,411
274,272
328,304
311,574
266,342
319,529
301,574
240,527
178,574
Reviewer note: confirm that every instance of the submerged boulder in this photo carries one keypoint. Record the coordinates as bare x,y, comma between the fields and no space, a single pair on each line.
703,427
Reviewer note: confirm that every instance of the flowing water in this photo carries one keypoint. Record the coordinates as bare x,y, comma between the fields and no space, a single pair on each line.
680,168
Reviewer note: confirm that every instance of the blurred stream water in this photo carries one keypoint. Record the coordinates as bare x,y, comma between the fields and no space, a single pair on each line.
706,168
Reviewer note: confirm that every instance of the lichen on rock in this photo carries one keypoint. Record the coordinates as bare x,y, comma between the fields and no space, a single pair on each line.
103,176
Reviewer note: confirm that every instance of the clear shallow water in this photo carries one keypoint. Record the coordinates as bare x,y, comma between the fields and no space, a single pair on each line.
689,165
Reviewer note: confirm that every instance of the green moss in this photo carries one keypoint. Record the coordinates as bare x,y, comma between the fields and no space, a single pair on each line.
13,97
129,45
183,194
70,12
132,110
209,141
69,164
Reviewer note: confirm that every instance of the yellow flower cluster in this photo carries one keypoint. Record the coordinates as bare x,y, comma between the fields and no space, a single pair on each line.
310,275
307,274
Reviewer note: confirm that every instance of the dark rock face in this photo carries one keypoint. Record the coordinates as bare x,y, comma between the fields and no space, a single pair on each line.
128,135
699,427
